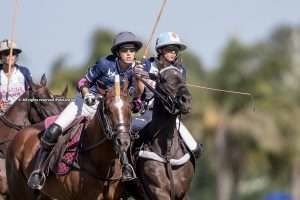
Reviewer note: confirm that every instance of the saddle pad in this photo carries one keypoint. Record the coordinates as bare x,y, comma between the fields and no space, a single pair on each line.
65,151
69,157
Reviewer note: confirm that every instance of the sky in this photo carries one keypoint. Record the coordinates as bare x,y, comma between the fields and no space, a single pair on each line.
47,29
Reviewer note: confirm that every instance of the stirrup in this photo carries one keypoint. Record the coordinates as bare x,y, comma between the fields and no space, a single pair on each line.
40,185
128,177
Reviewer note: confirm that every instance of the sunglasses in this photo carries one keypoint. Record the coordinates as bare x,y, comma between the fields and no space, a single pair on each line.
125,50
6,53
172,49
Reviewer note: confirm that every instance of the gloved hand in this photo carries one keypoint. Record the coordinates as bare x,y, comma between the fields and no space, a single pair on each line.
139,71
136,105
90,99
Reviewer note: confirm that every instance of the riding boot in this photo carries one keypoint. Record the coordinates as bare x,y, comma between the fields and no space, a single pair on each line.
37,178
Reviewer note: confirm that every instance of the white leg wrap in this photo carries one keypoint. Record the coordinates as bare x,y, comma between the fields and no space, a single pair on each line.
186,136
74,109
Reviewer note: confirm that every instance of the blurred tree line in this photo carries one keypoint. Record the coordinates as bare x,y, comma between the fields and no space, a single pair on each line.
251,143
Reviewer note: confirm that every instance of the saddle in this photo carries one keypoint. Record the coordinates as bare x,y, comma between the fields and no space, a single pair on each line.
63,157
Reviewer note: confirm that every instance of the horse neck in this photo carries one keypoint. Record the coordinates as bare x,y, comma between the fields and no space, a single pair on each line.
162,116
93,135
18,112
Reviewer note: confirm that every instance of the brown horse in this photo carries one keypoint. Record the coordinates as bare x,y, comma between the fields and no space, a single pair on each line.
164,165
103,144
23,113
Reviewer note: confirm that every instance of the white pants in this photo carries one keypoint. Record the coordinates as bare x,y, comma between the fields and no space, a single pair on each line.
75,109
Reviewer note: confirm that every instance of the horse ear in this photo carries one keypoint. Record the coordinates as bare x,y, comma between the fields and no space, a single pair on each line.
43,81
65,92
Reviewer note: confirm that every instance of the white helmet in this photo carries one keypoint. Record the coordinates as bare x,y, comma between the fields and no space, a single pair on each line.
169,38
5,45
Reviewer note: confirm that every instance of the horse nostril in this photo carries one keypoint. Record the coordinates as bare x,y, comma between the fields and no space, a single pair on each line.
122,143
118,141
127,143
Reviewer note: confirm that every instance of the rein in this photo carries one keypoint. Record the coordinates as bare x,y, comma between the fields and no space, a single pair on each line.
108,130
10,124
35,103
109,135
168,101
105,129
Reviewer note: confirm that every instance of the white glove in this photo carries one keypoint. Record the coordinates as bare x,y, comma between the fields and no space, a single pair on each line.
89,99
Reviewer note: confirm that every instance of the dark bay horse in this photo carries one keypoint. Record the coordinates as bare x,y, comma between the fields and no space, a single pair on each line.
164,165
25,112
103,144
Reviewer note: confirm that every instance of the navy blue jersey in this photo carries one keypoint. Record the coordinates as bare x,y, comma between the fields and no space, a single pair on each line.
104,71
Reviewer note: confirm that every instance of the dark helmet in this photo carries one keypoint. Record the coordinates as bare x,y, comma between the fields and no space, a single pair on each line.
125,38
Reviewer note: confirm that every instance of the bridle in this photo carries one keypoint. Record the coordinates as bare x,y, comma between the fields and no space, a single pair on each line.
32,102
110,131
106,124
169,101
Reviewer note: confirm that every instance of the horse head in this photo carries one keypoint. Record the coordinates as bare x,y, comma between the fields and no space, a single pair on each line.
116,115
172,91
41,102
